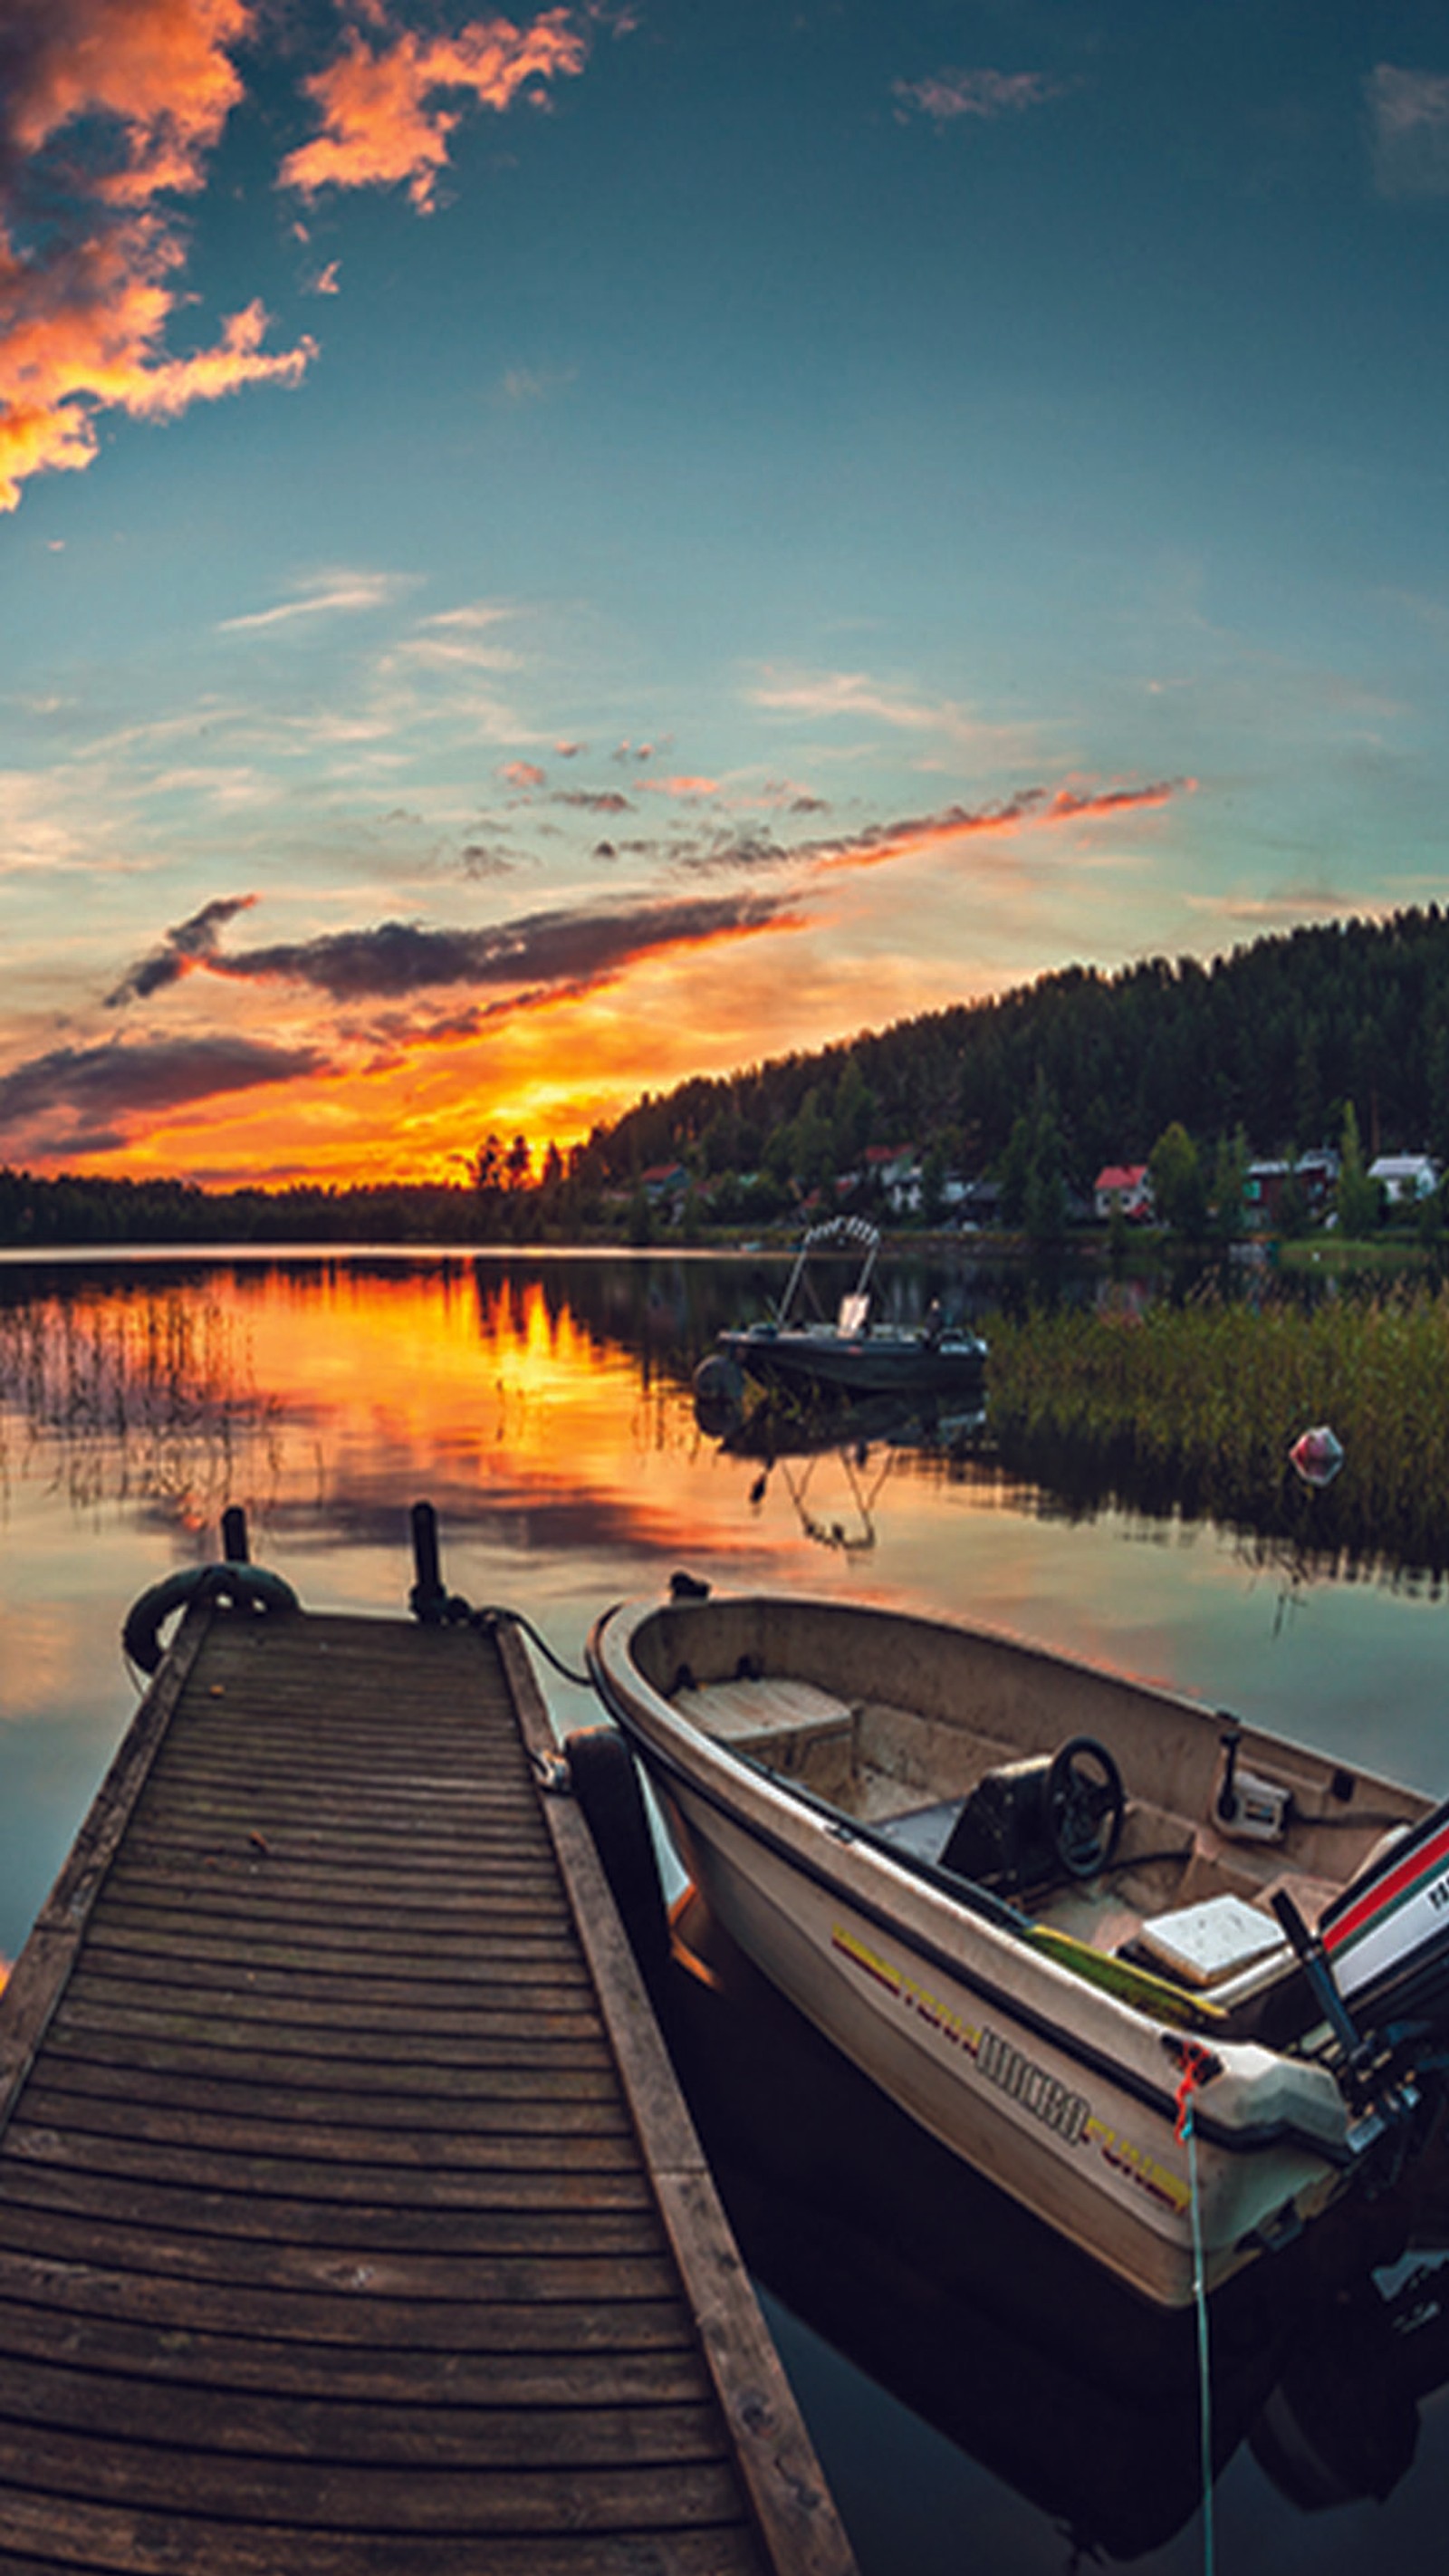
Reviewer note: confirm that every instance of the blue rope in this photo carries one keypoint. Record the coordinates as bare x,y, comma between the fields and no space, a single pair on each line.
1199,2292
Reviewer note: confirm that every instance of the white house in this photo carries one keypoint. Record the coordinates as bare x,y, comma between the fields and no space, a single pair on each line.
1405,1178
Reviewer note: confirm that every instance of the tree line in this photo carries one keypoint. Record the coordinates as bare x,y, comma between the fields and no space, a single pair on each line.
1267,1050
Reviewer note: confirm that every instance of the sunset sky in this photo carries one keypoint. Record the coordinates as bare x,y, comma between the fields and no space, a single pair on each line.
541,556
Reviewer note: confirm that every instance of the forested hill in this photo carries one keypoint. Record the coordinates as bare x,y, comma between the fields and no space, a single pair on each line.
1264,1049
1272,1041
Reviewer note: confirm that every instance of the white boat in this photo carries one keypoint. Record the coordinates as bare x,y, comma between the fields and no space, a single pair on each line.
1065,1920
848,1354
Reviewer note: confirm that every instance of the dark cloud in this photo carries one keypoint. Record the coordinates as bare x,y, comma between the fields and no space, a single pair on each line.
180,951
397,958
78,1088
736,854
752,853
601,801
479,861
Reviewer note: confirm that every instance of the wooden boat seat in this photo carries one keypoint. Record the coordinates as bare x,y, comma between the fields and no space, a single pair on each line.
791,1725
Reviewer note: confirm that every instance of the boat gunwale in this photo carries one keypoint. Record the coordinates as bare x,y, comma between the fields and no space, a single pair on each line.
965,1900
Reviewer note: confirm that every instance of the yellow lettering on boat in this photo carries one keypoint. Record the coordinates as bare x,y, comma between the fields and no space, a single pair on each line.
917,1998
1127,2157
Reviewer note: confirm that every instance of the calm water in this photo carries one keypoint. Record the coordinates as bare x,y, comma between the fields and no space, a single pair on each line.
979,2401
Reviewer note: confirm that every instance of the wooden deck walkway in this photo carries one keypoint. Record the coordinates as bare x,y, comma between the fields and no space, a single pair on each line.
349,2217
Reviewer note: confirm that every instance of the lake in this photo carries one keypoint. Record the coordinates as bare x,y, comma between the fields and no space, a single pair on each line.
978,2399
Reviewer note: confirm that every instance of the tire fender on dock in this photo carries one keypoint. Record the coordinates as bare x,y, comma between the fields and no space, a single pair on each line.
243,1587
606,1785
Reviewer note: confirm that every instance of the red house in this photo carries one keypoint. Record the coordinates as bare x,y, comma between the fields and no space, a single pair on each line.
1123,1185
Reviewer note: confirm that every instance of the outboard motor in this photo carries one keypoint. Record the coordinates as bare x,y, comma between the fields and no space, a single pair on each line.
1386,1938
1378,1968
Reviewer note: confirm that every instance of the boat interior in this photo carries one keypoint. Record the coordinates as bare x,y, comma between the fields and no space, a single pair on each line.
1148,1837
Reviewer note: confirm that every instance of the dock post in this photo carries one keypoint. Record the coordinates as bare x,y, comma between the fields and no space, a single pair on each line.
427,1599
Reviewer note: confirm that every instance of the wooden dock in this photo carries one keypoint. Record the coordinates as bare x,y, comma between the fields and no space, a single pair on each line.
350,2218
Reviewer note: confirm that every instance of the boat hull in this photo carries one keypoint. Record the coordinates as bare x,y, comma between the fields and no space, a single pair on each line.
863,1364
1050,2087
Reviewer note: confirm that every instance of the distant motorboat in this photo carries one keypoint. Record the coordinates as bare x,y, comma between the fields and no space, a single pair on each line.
846,1355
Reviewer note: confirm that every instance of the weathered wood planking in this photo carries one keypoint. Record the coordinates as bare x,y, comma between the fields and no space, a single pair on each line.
350,2218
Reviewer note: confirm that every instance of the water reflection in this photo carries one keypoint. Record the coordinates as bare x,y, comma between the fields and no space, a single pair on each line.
503,1381
998,2334
858,1443
148,1394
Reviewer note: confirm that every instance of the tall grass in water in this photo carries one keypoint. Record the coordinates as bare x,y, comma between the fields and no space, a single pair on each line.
1212,1395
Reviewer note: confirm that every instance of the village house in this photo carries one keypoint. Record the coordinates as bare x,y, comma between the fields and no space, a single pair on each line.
664,1181
1405,1178
1122,1185
1264,1183
897,1175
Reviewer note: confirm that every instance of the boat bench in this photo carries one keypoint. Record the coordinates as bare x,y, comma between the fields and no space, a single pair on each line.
792,1726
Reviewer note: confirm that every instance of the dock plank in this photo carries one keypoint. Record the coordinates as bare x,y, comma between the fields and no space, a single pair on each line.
348,2218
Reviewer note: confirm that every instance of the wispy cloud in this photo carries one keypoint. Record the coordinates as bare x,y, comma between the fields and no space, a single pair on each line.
1409,131
533,384
1031,808
830,697
390,102
828,694
946,96
326,594
1285,906
109,112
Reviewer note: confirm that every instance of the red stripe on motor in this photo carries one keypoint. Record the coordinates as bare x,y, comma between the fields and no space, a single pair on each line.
1420,1864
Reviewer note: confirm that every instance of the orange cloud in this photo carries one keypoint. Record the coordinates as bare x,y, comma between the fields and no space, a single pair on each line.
157,73
81,332
1031,808
385,122
89,250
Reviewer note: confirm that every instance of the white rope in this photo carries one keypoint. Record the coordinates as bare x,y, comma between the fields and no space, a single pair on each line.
1199,2292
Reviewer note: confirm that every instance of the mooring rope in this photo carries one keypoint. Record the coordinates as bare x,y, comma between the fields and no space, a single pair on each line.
486,1618
1199,2292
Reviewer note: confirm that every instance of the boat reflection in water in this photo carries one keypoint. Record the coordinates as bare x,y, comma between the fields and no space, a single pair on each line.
1008,2341
859,1439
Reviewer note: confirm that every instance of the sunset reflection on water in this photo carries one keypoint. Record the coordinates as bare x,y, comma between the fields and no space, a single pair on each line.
544,1406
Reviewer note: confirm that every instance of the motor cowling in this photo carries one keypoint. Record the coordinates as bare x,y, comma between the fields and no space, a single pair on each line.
1386,1937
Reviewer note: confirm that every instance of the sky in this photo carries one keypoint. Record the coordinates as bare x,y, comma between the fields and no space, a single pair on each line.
543,556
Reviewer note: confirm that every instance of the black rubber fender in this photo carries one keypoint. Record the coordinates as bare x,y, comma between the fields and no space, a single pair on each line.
244,1587
605,1783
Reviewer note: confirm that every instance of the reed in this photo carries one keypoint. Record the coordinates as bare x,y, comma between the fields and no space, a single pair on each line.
120,1397
1212,1394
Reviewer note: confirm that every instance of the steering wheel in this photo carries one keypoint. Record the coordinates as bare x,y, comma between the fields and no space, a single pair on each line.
1085,1803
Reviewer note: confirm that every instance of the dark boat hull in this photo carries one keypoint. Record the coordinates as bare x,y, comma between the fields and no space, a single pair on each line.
881,1363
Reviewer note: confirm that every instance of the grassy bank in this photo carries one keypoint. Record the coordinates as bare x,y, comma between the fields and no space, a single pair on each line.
1210,1396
